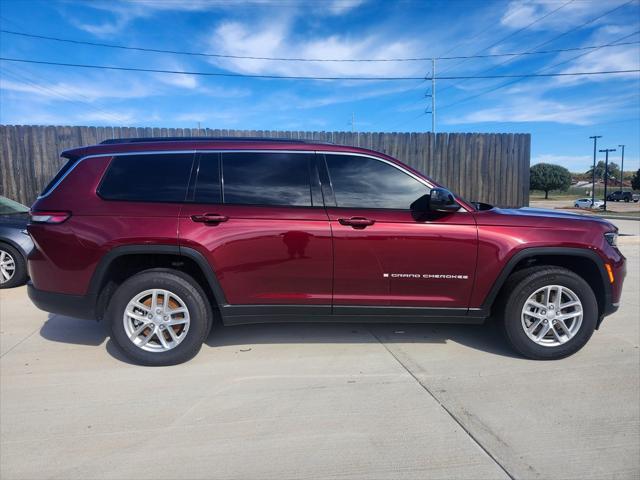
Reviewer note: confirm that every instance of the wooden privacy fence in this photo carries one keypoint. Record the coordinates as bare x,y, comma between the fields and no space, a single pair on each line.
486,167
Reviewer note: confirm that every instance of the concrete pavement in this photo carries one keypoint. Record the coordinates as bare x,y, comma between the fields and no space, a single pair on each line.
320,401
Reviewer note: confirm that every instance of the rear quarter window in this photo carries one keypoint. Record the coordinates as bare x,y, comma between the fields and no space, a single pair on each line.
58,176
147,178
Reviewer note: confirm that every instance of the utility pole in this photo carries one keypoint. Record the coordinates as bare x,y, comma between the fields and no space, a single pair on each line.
622,167
353,122
433,95
606,172
593,181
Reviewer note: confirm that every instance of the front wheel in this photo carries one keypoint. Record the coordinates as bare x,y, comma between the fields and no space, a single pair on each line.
549,313
159,317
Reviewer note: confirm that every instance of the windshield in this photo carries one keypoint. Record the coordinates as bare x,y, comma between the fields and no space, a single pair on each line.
9,207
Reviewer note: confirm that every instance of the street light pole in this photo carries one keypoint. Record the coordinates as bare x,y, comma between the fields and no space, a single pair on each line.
593,179
622,167
606,173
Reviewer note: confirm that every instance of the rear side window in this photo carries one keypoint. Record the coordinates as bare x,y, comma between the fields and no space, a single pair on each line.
61,173
361,182
267,179
147,178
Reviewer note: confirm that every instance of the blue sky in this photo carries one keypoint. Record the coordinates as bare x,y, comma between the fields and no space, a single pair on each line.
560,112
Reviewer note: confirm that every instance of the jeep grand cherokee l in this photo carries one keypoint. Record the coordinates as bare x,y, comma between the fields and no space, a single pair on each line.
158,236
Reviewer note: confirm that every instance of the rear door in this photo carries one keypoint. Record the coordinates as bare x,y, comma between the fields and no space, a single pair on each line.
385,257
259,220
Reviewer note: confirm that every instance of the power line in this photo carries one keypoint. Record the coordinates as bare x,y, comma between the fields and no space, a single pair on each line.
484,30
296,77
515,33
471,97
282,59
546,42
42,88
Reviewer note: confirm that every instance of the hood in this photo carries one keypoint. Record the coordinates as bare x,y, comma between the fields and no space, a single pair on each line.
539,217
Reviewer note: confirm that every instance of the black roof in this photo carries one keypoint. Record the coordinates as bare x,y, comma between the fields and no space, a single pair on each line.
113,141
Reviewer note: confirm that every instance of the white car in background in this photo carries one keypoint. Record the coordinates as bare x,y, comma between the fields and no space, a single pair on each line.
586,203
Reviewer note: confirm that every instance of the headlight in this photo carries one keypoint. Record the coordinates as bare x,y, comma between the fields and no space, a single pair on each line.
612,238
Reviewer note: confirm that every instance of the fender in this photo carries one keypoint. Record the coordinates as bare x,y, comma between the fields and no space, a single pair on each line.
546,251
207,270
24,248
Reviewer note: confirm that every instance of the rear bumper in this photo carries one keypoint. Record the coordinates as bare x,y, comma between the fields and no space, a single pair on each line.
78,306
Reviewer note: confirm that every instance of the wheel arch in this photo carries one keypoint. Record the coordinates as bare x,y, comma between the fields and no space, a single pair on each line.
581,261
124,261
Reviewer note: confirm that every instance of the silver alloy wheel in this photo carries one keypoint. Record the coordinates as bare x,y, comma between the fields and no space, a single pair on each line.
7,266
552,315
156,320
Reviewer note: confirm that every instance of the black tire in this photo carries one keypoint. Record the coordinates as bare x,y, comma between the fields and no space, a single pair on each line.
626,200
20,273
179,284
524,283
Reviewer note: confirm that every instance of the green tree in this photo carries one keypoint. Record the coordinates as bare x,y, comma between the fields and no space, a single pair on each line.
546,177
635,181
613,169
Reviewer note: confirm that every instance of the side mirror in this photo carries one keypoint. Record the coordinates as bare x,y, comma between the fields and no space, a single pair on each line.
438,200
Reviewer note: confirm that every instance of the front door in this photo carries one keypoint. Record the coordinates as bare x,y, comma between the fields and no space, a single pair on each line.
382,255
258,219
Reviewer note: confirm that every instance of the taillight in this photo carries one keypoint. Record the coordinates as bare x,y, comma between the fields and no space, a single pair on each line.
49,217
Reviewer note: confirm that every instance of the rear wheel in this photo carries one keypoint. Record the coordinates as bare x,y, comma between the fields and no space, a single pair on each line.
549,313
13,267
159,317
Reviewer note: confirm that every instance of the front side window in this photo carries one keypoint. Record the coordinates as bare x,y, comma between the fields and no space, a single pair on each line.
267,179
147,178
361,182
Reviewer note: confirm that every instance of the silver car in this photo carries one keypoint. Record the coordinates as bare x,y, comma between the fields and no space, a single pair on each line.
586,203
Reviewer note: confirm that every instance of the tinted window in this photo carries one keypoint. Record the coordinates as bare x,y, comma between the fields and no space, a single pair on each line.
147,178
208,179
267,178
65,168
360,182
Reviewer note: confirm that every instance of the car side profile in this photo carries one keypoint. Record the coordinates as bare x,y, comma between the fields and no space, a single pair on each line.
587,203
622,196
158,237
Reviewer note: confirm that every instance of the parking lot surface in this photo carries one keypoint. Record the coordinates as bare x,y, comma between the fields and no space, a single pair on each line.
320,401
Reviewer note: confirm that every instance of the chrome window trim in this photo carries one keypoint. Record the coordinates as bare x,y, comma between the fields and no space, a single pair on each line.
414,176
116,154
195,151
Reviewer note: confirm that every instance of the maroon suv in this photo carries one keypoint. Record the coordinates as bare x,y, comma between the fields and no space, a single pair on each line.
160,236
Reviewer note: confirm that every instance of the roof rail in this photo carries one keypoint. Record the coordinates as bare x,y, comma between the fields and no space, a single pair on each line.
113,141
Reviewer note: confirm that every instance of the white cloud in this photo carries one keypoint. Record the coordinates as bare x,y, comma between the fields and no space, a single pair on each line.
275,38
125,12
89,91
521,13
339,7
535,109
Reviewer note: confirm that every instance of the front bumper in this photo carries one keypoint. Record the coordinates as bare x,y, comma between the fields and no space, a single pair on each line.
78,306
